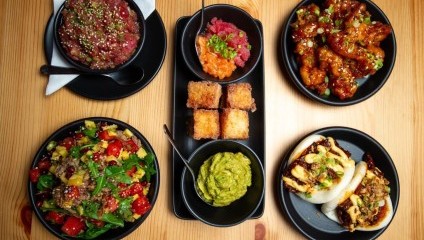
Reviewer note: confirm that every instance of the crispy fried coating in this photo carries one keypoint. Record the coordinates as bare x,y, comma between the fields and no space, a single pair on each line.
203,94
234,124
239,95
205,124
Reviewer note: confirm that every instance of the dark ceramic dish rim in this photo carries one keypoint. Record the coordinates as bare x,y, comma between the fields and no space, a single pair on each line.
310,232
73,125
210,78
84,68
293,75
253,210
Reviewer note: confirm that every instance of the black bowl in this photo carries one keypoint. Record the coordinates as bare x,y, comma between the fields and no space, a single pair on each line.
227,13
239,210
58,20
368,86
307,217
63,132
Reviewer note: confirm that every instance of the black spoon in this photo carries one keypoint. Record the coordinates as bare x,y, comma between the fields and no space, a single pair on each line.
129,75
200,29
185,161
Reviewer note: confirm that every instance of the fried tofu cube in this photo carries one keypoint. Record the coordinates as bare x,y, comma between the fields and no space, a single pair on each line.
205,124
239,95
234,124
203,94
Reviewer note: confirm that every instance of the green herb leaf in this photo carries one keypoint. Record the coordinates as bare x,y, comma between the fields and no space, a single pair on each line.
378,64
90,132
114,170
123,178
91,209
93,168
124,208
111,218
93,231
100,182
75,151
220,46
133,160
45,182
149,167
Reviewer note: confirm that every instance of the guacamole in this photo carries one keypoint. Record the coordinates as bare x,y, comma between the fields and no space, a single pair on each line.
224,178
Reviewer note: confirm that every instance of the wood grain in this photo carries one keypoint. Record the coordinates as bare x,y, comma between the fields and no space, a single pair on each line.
394,117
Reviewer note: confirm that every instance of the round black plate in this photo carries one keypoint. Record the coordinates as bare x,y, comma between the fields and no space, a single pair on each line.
63,132
307,217
150,59
368,86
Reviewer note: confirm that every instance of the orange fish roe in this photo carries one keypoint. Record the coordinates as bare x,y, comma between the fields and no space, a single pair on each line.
212,63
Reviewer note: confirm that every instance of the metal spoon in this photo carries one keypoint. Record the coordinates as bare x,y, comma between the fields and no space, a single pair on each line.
185,161
129,75
200,29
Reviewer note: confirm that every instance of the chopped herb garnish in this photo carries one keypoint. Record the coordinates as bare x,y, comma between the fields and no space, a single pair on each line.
220,46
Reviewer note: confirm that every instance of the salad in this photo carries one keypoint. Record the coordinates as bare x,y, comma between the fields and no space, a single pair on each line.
94,180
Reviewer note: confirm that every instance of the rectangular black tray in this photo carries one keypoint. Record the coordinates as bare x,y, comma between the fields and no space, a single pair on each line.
181,116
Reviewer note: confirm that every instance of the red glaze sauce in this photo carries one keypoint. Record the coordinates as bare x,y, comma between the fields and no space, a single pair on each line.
26,219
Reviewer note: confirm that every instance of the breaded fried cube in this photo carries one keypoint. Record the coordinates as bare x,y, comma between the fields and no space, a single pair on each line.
234,124
239,95
205,124
203,94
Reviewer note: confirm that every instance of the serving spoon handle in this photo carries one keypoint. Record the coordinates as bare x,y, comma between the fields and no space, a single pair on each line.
50,69
128,76
168,134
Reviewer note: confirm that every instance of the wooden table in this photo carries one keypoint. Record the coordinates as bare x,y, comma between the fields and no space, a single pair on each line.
393,116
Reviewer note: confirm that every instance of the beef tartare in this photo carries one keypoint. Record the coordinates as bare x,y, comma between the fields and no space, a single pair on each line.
222,48
94,180
101,34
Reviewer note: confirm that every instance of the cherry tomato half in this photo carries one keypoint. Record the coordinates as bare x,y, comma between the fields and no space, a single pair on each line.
110,204
34,175
114,148
73,226
71,192
67,143
104,135
44,164
141,205
55,217
131,146
136,188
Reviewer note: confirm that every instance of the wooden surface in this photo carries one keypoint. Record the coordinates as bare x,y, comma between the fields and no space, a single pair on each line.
394,116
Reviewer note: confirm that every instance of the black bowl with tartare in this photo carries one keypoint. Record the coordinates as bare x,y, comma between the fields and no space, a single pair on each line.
101,36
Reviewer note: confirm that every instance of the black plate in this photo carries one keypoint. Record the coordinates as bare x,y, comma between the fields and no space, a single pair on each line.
307,217
63,132
150,59
181,116
368,86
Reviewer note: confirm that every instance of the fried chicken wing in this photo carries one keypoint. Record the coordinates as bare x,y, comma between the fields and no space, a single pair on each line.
337,45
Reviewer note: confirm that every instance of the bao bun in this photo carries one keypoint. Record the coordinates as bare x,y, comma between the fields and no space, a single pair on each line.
329,208
323,195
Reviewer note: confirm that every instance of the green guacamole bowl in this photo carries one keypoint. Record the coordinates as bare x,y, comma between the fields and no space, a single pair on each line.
239,210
